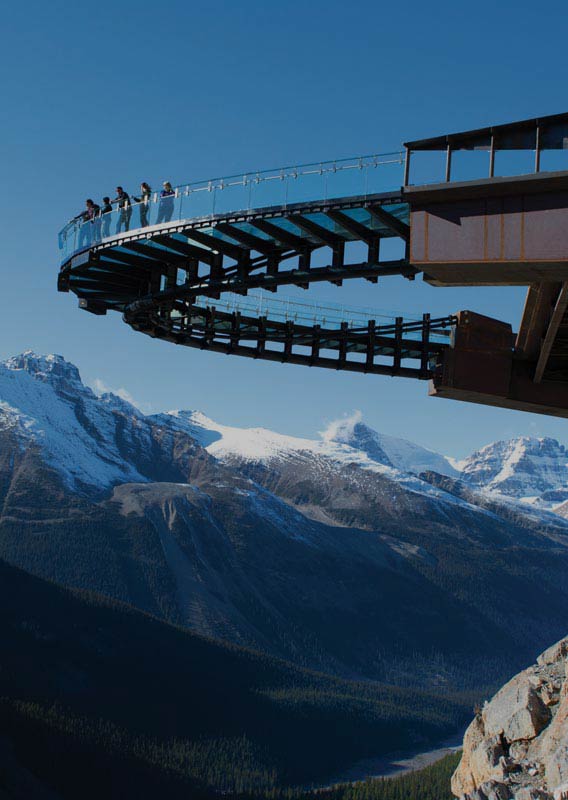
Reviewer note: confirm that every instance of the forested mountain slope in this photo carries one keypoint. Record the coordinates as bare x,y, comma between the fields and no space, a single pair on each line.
100,700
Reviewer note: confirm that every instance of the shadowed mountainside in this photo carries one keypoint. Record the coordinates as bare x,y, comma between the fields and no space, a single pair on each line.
100,700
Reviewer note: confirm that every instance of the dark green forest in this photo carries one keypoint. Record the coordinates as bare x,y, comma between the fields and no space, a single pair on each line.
70,755
431,783
92,687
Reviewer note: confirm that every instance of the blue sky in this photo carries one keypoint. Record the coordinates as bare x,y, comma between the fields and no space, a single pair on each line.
106,93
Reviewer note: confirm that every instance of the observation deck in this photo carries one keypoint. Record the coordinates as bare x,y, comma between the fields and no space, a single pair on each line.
201,267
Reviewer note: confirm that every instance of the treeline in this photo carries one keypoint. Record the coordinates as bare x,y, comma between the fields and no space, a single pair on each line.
74,756
430,783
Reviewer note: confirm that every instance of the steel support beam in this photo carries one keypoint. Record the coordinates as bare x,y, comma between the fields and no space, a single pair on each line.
390,221
551,332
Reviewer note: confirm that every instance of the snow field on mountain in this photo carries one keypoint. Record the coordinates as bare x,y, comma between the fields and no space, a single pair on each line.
85,437
32,408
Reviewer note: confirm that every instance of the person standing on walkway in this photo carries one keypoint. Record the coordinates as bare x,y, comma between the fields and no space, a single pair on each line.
106,210
94,214
125,209
167,199
88,216
144,200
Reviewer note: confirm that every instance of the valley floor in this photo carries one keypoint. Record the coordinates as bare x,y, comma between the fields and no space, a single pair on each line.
394,765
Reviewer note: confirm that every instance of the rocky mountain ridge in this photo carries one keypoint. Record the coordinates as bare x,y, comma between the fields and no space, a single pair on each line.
529,470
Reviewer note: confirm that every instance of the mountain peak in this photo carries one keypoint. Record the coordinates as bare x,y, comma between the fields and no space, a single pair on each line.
389,451
52,367
354,433
523,467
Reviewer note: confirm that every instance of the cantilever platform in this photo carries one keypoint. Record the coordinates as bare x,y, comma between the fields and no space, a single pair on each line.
167,264
159,277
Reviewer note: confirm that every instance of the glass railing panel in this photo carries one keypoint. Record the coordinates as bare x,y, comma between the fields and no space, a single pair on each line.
510,163
232,194
258,303
274,188
143,215
106,225
427,167
387,175
86,234
195,201
121,220
470,165
328,315
347,180
67,240
220,196
553,160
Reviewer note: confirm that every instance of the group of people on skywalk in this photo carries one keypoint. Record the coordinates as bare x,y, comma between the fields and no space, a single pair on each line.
100,216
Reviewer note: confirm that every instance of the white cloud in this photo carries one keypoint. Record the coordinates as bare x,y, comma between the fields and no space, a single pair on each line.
99,387
342,428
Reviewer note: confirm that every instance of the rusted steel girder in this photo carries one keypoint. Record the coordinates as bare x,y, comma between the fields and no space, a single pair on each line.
482,366
499,231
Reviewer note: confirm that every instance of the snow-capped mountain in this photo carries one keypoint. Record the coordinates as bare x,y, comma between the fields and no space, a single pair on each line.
528,469
353,552
102,440
347,441
93,442
83,435
343,444
42,400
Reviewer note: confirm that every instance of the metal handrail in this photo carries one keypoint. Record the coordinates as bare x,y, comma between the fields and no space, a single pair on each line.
259,304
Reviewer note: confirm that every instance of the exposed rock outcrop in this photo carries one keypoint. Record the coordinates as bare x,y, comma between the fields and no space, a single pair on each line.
516,748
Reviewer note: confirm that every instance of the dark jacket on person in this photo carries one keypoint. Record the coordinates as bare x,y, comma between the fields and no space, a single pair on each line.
106,208
88,213
123,199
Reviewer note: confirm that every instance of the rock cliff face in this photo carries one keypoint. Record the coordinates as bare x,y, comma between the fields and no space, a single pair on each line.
516,748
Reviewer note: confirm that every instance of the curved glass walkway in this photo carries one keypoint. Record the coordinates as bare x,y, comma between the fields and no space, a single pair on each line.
283,187
193,266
